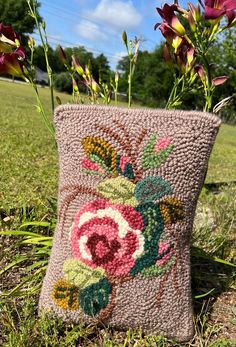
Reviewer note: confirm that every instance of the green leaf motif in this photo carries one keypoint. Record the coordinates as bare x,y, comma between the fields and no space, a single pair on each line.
151,189
118,190
152,159
155,270
153,228
95,297
81,275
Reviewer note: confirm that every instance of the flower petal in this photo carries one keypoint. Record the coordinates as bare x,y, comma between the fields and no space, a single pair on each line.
217,81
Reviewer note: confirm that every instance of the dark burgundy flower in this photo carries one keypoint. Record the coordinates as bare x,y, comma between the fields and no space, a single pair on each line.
62,54
215,9
185,57
200,72
9,34
11,52
170,19
10,64
171,37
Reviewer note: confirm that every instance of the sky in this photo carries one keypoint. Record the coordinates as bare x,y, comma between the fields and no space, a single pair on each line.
98,24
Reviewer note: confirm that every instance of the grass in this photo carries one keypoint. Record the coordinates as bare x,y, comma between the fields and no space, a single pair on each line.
29,171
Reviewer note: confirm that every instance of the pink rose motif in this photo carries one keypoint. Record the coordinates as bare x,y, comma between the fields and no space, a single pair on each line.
162,144
108,235
165,251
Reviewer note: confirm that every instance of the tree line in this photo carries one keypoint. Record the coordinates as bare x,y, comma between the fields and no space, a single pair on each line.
153,78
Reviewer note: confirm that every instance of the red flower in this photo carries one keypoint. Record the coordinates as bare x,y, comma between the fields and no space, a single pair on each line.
8,34
10,64
215,9
108,235
11,53
170,20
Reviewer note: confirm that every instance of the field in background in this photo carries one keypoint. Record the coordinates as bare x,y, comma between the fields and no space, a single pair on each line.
28,176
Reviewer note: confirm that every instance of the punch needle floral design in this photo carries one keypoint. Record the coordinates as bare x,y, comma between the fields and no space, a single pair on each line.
120,234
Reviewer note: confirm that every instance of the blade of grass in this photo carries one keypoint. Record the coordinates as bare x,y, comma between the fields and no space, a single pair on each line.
16,261
200,253
203,295
41,224
18,233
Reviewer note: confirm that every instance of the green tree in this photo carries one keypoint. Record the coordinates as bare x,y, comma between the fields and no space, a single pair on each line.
224,58
102,68
54,61
152,78
16,14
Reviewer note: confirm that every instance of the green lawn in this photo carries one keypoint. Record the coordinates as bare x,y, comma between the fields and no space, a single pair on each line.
28,164
29,175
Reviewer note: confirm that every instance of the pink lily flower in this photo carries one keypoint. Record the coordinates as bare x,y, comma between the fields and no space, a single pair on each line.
215,9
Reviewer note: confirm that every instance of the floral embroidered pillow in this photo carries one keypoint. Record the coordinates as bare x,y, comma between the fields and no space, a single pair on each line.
129,183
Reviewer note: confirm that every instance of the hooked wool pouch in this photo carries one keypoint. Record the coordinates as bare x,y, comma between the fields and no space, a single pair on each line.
128,188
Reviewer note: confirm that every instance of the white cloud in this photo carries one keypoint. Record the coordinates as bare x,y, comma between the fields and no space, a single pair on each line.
118,14
115,59
90,31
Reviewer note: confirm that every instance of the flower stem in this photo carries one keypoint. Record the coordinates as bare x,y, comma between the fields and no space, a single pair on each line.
207,86
41,109
130,83
44,42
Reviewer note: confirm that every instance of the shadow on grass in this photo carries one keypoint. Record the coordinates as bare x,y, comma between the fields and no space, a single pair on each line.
215,187
209,276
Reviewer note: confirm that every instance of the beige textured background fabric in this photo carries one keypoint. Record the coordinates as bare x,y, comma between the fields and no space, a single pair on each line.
162,304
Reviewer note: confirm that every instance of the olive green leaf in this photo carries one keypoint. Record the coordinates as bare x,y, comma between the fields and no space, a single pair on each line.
81,275
119,190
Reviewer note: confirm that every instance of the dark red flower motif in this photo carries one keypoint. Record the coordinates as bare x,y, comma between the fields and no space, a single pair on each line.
215,9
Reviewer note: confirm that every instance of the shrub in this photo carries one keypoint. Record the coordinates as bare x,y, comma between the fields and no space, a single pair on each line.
62,82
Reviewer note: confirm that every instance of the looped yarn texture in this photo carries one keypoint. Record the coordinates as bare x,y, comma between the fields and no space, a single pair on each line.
128,218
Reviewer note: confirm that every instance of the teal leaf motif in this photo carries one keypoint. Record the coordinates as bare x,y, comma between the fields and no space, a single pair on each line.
95,297
152,188
152,159
153,228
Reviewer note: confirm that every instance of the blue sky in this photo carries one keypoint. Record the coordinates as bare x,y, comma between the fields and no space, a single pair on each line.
98,24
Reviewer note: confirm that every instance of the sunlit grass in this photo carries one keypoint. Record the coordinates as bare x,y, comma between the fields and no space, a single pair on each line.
29,175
